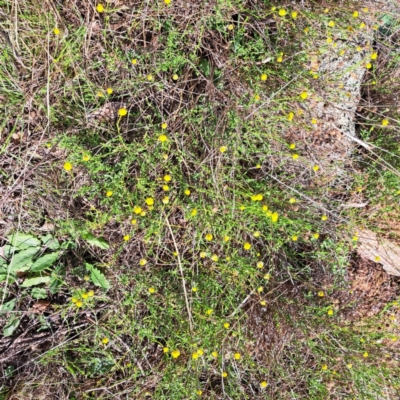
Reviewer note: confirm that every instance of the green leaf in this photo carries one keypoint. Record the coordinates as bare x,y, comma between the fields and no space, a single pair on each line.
98,277
3,277
9,306
35,281
23,241
44,262
50,242
11,326
39,293
9,250
94,241
20,260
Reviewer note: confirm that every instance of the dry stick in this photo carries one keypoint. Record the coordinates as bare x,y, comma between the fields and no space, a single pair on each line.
183,277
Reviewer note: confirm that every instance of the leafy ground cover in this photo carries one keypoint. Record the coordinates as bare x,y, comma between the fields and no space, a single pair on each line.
172,224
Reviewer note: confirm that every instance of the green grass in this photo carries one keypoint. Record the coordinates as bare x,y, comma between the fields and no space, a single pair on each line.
135,282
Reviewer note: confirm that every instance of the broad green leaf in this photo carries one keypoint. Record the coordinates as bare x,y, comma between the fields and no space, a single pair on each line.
44,262
9,250
9,306
98,277
23,241
50,242
11,326
35,281
94,241
39,293
21,260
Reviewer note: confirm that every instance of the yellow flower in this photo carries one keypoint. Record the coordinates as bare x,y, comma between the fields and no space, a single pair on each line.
90,293
56,31
294,238
175,353
368,65
292,146
227,325
315,168
187,192
321,293
209,237
282,12
122,112
104,340
134,61
365,355
224,374
324,217
164,125
279,59
294,14
329,40
263,303
166,349
316,75
137,209
237,356
274,217
292,200
304,95
324,367
167,2
214,354
162,138
257,234
257,97
79,304
377,259
256,197
194,289
263,384
359,48
214,257
226,238
230,27
175,77
362,25
316,235
200,352
194,212
74,299
126,238
165,188
109,193
165,200
331,24
199,392
109,90
142,262
330,312
355,238
149,201
152,290
67,166
203,254
290,116
150,78
265,208
355,14
195,356
209,311
264,77
99,94
223,149
258,166
167,178
100,8
86,157
260,289
247,246
260,264
385,122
